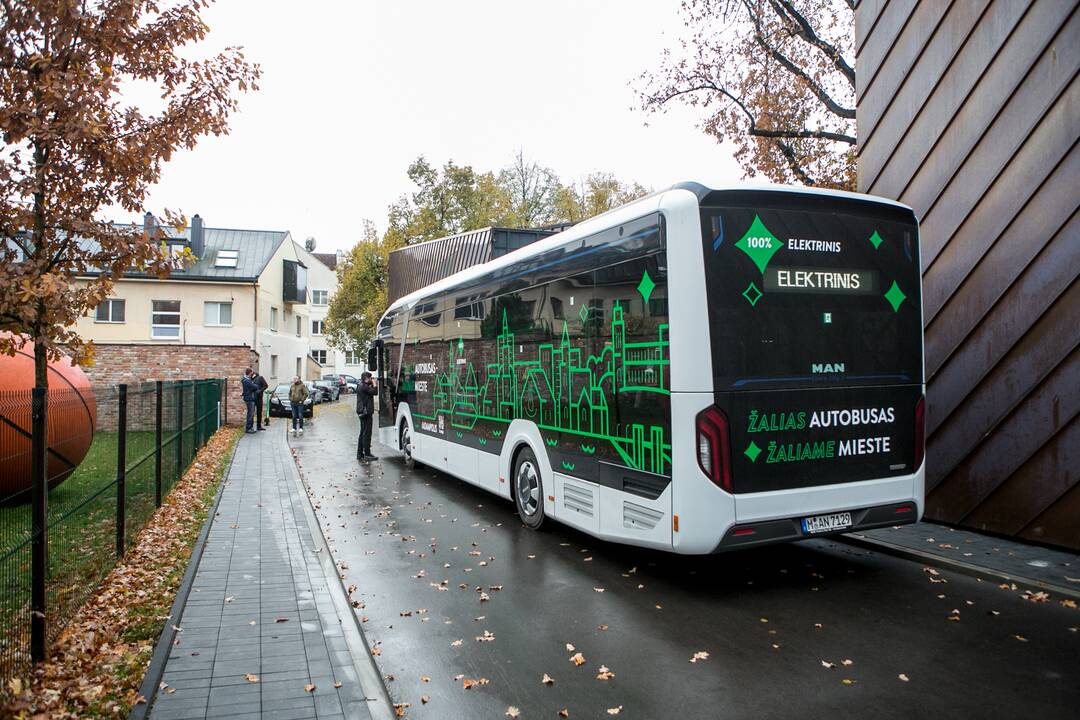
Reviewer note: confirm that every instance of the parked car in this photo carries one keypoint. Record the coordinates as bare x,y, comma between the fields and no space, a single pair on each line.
338,380
350,383
313,393
329,389
281,407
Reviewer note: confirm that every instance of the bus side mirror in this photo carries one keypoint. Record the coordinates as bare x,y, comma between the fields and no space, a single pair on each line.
372,359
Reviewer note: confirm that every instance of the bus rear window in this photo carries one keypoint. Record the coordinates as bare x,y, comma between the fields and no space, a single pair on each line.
803,297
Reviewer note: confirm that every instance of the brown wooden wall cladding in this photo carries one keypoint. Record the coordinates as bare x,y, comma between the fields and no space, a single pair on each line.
969,112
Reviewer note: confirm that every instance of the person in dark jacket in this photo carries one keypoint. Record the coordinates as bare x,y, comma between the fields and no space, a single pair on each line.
250,390
261,385
365,408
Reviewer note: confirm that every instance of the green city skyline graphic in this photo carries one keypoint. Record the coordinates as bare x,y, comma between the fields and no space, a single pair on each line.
564,389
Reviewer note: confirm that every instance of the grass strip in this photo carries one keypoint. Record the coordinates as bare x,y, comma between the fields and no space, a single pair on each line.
96,665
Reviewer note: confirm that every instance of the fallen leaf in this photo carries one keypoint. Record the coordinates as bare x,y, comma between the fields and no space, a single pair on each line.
599,590
847,663
848,681
578,659
614,710
699,655
512,712
604,673
488,636
564,713
469,682
827,664
547,679
399,709
337,683
251,677
456,643
425,678
424,699
1021,638
903,677
309,687
601,627
569,647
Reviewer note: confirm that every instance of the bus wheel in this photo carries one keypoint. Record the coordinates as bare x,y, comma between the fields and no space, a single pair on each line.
406,446
528,489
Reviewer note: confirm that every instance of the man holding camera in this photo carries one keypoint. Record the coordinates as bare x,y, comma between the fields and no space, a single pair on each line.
365,408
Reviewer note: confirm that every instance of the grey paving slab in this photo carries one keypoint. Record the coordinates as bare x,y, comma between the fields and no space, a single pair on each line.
260,604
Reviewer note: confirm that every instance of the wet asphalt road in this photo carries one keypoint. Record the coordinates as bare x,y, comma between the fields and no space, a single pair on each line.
420,547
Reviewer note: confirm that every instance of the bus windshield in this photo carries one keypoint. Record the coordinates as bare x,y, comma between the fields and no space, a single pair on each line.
801,296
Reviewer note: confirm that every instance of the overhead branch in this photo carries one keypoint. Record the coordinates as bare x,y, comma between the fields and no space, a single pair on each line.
786,10
793,162
818,91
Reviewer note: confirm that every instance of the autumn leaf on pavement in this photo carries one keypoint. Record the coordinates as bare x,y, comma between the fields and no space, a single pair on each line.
424,699
604,673
614,710
513,712
488,636
903,677
699,655
1021,638
827,664
547,679
251,677
578,659
564,713
469,682
847,663
309,687
456,643
337,683
569,647
601,627
425,678
399,709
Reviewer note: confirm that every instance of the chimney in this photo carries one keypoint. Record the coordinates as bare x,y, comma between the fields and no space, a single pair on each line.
198,238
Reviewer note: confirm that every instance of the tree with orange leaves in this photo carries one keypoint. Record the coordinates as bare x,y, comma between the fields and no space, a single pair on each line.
75,146
776,77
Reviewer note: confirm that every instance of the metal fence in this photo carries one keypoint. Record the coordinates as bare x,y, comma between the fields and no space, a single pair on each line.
107,456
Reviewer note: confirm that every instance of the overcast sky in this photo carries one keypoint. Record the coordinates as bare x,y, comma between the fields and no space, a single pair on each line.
352,92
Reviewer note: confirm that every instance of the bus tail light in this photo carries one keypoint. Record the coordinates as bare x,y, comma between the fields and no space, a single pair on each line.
920,432
714,446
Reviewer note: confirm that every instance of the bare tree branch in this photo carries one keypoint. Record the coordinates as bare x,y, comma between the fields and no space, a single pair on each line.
819,92
808,34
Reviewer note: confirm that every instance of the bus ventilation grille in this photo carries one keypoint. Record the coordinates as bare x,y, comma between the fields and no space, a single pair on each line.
638,517
578,498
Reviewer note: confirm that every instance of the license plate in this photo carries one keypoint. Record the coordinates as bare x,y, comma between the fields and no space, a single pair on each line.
826,523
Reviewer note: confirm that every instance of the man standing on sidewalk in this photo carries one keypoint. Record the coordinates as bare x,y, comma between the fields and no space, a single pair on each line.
261,385
365,408
297,398
250,390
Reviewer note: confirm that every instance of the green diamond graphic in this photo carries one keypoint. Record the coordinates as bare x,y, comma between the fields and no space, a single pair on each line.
460,345
876,240
759,244
752,451
645,287
895,296
583,313
752,294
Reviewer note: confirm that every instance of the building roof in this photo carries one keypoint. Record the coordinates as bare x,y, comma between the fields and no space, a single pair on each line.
254,249
327,259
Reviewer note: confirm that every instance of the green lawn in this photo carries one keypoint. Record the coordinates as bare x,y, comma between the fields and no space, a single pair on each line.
82,532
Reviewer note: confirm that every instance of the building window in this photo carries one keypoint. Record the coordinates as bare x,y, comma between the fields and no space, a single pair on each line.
227,258
299,367
273,366
658,307
165,320
273,319
299,326
316,327
319,356
110,311
217,314
352,357
320,297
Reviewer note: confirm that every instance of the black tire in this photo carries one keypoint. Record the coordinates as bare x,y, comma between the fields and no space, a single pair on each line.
528,486
405,443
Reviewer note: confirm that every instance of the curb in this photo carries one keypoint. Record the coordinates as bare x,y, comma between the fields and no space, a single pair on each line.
154,671
964,568
380,706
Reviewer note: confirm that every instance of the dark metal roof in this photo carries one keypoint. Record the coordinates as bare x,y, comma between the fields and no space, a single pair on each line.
327,259
254,249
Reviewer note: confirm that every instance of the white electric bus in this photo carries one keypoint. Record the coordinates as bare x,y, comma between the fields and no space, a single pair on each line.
698,370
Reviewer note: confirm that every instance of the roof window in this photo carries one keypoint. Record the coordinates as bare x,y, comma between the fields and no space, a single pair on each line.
227,258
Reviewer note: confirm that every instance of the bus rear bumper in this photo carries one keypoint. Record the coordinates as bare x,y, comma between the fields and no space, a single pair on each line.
767,532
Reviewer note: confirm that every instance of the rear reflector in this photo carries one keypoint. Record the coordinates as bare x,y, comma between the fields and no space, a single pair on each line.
714,446
902,509
920,432
744,531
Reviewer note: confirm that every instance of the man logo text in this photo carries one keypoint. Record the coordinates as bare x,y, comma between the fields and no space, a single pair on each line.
827,367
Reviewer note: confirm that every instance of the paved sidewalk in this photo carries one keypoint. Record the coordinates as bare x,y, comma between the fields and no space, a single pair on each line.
262,605
1056,570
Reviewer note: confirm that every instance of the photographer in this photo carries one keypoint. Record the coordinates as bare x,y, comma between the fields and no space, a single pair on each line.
365,408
